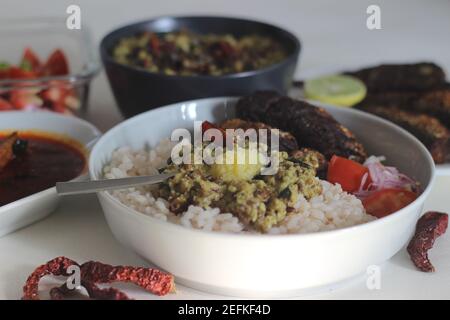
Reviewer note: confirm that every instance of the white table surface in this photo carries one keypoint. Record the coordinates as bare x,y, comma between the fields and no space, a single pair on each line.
334,37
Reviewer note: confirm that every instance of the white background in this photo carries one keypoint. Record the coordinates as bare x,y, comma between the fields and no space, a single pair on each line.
334,37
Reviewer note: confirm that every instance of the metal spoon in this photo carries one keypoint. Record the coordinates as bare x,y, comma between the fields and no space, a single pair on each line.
67,188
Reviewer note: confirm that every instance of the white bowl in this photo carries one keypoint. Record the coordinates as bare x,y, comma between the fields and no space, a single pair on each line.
262,265
37,206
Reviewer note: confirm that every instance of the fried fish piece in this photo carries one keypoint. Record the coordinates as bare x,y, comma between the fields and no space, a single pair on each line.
254,107
429,130
287,141
401,77
399,99
6,150
434,102
313,127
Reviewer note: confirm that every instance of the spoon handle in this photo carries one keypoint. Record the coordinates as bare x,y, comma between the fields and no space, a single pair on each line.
67,188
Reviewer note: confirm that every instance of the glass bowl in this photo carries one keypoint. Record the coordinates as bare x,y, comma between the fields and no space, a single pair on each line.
68,93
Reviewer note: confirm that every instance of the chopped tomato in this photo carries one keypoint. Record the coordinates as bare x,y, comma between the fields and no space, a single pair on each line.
31,58
5,105
25,99
72,102
58,107
4,74
56,64
387,201
19,73
58,98
56,94
4,70
18,99
347,173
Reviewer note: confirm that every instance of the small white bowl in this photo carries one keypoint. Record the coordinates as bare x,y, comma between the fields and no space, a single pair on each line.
37,206
262,265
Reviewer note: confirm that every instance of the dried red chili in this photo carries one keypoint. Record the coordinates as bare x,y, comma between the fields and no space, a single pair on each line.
104,294
94,292
56,267
152,280
93,273
59,293
430,226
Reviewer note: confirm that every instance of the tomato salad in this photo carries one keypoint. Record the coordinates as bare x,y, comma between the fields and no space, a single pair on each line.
52,95
382,189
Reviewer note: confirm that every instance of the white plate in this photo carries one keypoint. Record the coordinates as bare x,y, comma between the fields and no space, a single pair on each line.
443,169
30,209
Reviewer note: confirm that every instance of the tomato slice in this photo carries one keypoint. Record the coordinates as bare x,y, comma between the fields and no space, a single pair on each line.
387,201
347,173
30,57
56,64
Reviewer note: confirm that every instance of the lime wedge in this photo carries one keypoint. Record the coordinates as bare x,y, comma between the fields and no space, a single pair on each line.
339,90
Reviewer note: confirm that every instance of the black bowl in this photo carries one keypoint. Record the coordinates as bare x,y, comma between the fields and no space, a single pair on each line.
137,90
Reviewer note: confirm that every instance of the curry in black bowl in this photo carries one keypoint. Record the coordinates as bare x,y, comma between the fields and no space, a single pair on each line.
188,53
165,60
